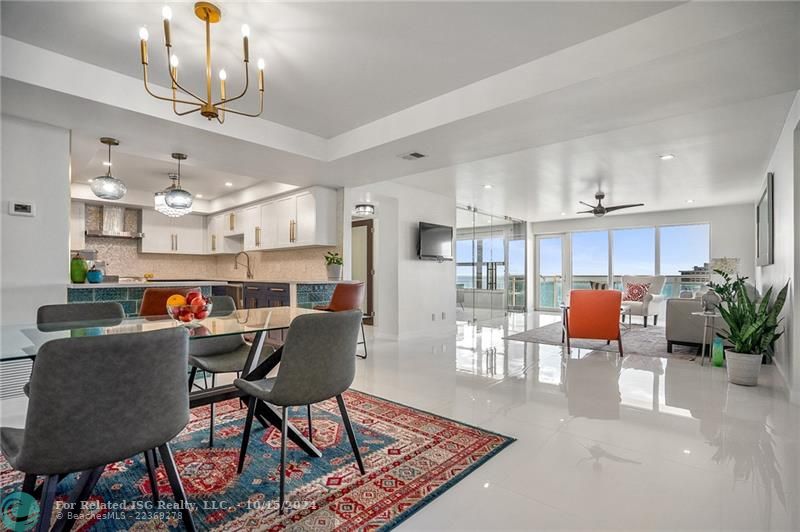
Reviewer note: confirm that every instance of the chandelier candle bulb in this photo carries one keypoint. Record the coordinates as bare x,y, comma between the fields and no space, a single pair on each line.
143,36
246,42
222,77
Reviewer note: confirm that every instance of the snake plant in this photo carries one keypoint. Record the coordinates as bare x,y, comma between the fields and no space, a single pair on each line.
753,325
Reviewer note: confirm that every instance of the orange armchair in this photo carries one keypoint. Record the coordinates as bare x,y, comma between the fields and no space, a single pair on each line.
594,315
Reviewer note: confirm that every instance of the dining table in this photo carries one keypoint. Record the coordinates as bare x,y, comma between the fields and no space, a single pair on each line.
23,341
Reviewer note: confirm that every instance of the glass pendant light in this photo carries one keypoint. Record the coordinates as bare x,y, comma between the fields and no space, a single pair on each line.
107,186
174,201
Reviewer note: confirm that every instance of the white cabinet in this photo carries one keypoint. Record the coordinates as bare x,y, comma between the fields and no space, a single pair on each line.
232,223
269,225
285,214
214,244
305,222
251,225
162,234
77,225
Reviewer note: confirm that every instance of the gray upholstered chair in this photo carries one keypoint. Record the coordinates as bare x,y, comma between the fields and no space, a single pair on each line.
65,316
220,354
98,400
318,363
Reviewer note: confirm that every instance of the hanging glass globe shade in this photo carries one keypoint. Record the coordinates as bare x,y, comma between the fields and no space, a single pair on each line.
107,186
161,200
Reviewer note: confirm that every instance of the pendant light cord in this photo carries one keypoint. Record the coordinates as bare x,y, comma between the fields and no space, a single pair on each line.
108,172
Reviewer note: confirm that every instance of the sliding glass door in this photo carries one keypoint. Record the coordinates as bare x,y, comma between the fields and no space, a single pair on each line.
549,271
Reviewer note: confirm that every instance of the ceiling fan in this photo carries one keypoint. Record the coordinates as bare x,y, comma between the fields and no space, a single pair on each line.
601,210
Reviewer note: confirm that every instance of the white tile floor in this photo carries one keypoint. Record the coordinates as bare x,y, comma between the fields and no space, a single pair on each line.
642,443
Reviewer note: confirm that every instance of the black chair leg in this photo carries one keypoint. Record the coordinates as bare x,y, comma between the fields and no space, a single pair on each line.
177,486
29,484
213,413
80,493
284,430
248,425
310,427
149,461
363,341
192,375
46,503
350,434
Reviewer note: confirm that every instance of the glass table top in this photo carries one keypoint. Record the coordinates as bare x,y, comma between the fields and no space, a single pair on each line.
23,341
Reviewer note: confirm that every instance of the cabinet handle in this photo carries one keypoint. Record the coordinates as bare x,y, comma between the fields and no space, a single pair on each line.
176,242
253,288
277,290
232,221
292,230
258,237
172,242
213,242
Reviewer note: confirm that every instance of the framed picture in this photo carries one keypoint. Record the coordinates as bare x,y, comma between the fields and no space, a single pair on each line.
765,230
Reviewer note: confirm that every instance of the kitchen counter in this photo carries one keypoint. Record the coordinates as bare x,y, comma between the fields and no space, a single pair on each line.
144,284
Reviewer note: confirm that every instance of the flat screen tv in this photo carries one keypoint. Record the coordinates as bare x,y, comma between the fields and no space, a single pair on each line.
435,242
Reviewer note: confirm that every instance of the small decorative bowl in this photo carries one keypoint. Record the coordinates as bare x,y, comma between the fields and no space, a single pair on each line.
190,313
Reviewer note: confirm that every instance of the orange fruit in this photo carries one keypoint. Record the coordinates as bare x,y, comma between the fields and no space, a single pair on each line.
176,300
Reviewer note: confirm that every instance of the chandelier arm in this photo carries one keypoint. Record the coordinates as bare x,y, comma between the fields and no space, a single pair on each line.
184,113
251,115
246,86
151,93
175,82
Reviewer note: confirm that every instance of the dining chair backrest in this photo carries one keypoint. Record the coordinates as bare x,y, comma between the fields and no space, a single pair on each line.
101,399
318,360
346,296
594,314
64,316
221,306
154,300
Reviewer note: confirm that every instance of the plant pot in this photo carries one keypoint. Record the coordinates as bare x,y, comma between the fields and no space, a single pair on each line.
743,368
334,272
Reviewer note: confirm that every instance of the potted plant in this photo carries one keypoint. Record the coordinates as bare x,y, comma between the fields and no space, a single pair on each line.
752,326
333,262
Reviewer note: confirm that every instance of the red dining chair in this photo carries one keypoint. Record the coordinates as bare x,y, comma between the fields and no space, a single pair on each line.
347,296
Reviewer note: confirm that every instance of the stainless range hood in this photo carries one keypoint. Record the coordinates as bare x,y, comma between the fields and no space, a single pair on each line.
113,223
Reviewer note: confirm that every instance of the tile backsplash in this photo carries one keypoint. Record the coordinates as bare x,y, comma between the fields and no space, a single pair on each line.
122,258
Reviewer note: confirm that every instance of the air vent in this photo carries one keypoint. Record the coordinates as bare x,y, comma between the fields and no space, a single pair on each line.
412,156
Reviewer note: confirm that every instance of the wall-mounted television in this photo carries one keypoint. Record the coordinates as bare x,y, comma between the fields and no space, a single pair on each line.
435,242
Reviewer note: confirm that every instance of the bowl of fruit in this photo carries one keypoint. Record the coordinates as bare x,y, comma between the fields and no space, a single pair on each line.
189,308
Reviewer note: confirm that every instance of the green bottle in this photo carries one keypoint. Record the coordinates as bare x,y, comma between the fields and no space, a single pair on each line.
78,269
717,352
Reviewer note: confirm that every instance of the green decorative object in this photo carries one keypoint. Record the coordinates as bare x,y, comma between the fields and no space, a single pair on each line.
717,353
78,269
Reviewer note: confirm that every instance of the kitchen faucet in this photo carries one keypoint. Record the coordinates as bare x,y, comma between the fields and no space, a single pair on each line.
236,263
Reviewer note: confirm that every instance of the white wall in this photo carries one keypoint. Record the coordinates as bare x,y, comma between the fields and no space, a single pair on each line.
785,164
408,291
35,250
732,228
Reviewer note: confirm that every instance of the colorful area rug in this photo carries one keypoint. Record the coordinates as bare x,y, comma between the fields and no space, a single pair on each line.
411,458
636,340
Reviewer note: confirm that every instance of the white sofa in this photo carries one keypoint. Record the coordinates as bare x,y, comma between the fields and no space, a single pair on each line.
654,304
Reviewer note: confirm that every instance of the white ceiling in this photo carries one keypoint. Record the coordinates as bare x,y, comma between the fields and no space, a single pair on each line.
331,66
546,102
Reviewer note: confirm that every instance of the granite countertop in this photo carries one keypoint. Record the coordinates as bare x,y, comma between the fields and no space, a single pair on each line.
143,284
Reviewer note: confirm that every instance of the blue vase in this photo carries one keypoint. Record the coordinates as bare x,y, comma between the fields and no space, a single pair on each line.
94,276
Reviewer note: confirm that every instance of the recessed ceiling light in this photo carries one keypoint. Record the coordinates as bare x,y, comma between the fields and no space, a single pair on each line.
666,157
228,184
689,201
198,195
563,214
487,186
90,180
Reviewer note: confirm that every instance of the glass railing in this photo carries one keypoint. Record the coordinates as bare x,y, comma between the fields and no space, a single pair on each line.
551,287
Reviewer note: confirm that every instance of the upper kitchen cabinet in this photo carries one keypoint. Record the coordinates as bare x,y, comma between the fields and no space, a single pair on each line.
252,227
304,219
233,224
77,225
182,235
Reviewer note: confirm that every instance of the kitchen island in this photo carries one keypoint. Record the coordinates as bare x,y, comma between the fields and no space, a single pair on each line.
129,294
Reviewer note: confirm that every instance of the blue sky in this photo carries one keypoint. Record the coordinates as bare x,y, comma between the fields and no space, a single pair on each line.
682,247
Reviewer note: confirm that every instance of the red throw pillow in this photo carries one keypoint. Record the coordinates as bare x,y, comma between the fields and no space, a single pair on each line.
635,291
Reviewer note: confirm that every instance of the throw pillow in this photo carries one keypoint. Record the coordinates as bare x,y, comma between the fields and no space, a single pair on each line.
635,291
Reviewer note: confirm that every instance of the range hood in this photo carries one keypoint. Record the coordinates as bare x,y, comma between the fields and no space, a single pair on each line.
113,223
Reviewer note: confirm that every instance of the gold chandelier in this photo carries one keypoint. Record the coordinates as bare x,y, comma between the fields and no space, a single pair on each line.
209,14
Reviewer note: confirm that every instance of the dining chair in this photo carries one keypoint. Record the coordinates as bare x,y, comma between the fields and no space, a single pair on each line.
220,354
347,296
594,314
97,400
154,299
64,316
317,364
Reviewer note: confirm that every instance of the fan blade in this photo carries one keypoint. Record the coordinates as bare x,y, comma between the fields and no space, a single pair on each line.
618,207
585,212
586,204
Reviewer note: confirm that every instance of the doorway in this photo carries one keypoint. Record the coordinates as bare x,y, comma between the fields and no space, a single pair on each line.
363,268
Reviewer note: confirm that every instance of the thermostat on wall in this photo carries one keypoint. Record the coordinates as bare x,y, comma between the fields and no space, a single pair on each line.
21,208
